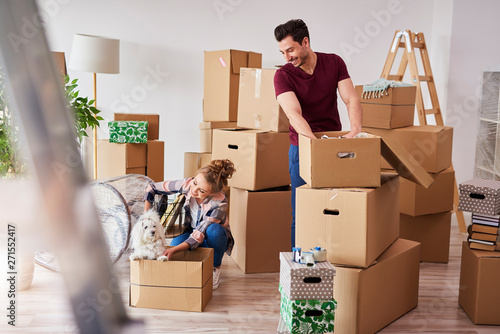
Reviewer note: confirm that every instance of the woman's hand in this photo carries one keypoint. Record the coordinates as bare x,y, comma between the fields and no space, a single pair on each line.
169,252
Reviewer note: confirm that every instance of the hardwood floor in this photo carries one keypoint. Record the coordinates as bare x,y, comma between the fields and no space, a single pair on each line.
246,304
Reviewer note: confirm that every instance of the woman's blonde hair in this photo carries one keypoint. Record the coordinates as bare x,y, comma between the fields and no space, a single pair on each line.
217,172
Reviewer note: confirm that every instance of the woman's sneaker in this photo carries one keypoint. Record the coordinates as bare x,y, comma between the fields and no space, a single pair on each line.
216,277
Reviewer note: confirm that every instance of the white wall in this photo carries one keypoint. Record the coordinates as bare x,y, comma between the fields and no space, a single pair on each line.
169,37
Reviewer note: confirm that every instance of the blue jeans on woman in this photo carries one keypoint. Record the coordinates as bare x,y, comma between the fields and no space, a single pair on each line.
296,180
215,237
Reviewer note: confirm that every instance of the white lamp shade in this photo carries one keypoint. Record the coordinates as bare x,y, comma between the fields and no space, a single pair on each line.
95,54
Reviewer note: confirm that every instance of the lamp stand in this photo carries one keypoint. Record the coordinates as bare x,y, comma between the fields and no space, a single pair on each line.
95,128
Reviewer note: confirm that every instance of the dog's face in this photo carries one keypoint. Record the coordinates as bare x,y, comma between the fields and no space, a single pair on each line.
148,227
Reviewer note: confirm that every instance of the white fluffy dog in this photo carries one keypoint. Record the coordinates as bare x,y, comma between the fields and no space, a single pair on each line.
148,238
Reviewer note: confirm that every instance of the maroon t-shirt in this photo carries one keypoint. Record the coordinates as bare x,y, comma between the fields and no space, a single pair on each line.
317,93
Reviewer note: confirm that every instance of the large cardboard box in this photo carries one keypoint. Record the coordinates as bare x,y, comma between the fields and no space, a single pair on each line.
353,162
416,200
184,283
261,226
152,119
222,81
194,161
257,104
479,289
480,196
354,225
120,159
260,157
206,133
432,231
430,145
398,96
370,299
155,160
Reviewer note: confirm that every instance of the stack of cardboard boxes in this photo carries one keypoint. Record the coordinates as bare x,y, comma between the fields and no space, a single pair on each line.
349,208
425,213
244,123
480,269
123,157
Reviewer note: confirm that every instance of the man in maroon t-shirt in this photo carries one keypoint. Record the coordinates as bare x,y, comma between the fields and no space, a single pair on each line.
306,88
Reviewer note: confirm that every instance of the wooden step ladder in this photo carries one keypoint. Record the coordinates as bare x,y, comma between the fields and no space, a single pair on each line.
409,41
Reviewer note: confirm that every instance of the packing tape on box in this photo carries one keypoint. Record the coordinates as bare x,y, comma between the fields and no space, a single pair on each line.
319,254
258,82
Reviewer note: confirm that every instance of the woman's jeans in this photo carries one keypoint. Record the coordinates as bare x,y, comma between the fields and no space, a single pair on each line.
293,168
215,237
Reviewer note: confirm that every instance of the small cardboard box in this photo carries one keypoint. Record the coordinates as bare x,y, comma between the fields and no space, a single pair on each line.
300,282
416,200
429,145
133,132
206,133
480,196
260,157
432,231
120,159
184,283
354,225
308,316
261,227
222,81
257,104
353,162
479,291
152,119
194,161
398,96
370,299
387,116
155,160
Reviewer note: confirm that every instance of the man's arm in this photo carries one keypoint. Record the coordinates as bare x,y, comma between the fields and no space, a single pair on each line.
291,106
351,99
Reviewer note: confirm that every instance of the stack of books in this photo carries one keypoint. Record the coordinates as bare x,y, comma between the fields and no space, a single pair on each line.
483,232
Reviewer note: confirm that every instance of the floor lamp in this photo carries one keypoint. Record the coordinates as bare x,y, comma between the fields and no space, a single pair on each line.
95,54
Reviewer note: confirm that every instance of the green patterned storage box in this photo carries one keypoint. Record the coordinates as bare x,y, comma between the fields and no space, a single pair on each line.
307,316
128,132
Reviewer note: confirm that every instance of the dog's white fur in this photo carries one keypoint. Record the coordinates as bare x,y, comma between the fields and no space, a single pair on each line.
148,238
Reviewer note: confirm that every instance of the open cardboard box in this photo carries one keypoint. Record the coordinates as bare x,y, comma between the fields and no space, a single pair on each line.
354,162
184,283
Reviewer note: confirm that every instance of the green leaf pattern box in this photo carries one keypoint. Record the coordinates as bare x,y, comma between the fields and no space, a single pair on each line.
128,132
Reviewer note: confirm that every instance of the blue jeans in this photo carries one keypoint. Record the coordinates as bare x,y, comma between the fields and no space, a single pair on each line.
215,237
293,168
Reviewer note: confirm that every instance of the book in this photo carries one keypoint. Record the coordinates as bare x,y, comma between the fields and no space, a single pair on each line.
484,236
474,245
484,229
484,242
485,222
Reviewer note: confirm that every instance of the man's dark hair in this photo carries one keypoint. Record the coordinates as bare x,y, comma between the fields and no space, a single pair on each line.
295,28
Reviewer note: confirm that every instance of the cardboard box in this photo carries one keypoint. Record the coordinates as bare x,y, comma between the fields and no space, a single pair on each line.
480,196
257,104
353,162
222,81
120,159
261,226
60,63
370,299
152,119
416,200
260,157
206,133
387,116
308,316
300,282
354,225
184,283
430,145
398,96
479,291
432,231
134,132
194,161
155,160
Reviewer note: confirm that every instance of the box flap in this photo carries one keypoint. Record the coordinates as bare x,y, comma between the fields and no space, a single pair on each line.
254,59
239,59
406,166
